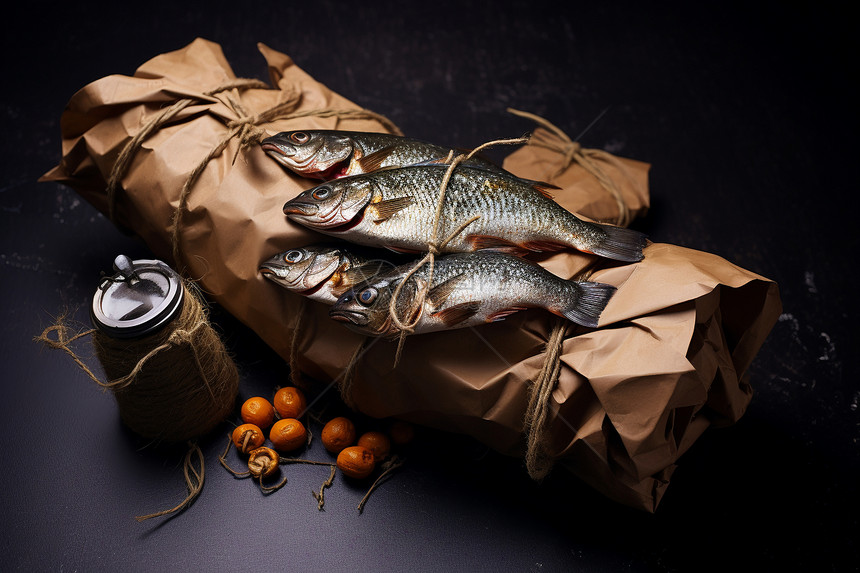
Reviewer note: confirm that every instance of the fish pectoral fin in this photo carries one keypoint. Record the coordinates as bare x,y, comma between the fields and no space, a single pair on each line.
458,313
388,207
440,293
504,313
373,161
489,243
357,274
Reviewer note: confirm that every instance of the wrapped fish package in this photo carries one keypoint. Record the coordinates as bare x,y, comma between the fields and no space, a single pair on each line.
172,155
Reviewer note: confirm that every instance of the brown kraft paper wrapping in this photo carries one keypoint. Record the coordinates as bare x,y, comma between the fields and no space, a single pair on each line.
668,360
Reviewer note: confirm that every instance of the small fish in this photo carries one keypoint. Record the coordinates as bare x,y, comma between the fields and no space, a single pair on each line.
395,208
320,272
331,154
468,289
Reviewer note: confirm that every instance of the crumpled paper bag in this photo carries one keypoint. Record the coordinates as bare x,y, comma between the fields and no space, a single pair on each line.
668,360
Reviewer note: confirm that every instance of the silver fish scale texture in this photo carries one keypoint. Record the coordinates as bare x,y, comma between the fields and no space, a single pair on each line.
406,151
499,281
507,207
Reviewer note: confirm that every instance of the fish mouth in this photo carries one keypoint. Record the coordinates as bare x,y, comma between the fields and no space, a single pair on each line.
348,316
299,208
278,151
267,271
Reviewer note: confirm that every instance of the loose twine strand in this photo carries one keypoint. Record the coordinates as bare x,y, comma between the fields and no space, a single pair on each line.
194,479
573,152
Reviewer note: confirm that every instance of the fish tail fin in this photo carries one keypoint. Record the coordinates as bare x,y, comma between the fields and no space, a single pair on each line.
587,303
620,244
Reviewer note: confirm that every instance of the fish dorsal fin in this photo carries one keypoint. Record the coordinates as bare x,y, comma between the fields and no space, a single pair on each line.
388,207
373,161
440,293
458,313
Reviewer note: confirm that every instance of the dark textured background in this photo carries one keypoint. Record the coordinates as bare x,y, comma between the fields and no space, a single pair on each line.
748,116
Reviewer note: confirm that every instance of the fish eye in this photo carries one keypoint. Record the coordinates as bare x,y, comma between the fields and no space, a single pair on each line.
300,137
321,192
293,256
367,296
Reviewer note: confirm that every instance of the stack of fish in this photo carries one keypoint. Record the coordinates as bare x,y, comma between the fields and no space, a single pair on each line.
383,191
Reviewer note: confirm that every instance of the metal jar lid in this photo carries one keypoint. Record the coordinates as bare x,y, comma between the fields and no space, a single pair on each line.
143,296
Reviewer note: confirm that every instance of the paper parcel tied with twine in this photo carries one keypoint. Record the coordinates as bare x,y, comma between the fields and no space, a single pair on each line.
172,155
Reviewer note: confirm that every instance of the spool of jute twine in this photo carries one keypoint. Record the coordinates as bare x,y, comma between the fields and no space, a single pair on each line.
173,385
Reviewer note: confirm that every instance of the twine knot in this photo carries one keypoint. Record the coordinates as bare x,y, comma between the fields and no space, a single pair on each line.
571,150
180,337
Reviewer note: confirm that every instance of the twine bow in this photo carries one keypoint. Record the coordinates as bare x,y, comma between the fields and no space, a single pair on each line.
572,152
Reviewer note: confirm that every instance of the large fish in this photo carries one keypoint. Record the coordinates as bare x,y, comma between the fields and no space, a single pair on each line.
395,208
467,289
330,154
320,272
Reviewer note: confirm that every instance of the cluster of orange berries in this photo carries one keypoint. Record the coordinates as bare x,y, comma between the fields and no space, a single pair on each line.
356,458
286,434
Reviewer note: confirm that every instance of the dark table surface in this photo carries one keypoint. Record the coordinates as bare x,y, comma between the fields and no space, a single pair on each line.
748,116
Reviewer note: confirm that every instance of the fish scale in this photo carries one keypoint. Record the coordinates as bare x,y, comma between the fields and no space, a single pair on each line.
506,208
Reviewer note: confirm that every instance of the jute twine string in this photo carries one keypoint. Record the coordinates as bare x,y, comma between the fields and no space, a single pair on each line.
295,376
538,461
573,152
246,127
173,385
194,479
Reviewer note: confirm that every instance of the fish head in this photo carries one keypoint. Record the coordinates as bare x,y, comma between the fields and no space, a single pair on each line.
303,270
316,154
333,204
366,308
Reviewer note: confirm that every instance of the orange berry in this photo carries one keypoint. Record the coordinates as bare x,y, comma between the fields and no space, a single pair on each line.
288,434
258,411
338,434
356,462
401,432
376,442
247,437
263,462
289,402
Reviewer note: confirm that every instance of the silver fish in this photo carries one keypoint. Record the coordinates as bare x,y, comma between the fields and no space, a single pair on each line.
467,289
395,208
330,154
320,272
